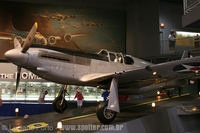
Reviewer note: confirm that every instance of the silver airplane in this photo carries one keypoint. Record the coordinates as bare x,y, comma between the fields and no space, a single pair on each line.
118,72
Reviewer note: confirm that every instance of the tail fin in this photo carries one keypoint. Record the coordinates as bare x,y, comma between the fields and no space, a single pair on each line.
46,12
16,44
10,24
186,54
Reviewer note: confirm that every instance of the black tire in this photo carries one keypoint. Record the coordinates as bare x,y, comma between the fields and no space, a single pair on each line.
56,105
170,94
104,115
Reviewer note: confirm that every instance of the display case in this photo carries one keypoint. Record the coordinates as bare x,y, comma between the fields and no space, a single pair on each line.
30,91
30,87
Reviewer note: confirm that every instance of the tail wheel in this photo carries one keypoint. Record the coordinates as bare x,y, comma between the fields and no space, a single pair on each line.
57,105
105,115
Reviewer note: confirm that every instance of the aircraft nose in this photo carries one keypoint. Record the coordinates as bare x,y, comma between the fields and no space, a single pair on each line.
16,57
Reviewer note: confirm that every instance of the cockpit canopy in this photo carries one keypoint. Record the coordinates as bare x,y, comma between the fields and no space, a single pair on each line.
116,57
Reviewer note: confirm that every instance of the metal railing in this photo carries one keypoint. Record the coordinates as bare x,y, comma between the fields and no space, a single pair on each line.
182,44
189,5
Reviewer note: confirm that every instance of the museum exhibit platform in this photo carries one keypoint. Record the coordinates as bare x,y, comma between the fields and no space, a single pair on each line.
184,118
8,109
3,129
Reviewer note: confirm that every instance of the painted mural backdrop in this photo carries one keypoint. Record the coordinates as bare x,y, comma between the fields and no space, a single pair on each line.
82,29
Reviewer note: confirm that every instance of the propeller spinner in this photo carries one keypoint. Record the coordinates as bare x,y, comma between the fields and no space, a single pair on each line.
15,55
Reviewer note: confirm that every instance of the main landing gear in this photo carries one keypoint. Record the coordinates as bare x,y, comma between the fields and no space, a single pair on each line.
169,94
103,114
107,110
59,103
179,91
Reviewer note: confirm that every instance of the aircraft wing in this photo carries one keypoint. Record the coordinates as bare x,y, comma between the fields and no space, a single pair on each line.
5,38
156,73
96,77
178,69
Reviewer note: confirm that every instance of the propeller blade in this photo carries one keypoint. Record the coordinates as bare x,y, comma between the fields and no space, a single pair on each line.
29,38
16,44
18,77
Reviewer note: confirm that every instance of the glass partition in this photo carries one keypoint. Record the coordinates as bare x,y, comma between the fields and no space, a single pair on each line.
30,91
189,41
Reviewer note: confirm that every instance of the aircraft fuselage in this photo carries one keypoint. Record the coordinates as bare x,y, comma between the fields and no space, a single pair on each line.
67,67
78,68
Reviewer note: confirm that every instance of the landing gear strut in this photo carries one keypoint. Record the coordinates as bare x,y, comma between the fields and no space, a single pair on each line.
169,94
179,91
105,115
59,103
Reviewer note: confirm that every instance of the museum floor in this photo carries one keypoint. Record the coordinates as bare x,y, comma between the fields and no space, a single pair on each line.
85,120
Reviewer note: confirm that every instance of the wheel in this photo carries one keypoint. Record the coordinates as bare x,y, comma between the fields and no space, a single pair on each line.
105,115
56,105
169,94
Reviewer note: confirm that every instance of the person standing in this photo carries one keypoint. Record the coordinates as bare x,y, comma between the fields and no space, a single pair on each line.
80,98
42,96
123,97
0,101
172,41
196,42
105,94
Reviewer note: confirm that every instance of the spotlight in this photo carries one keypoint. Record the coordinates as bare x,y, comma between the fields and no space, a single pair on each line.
16,111
162,25
59,127
153,106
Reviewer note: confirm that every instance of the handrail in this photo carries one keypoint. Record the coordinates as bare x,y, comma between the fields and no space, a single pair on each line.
189,5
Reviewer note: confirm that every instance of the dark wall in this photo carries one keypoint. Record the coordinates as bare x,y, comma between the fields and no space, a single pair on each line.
171,15
79,28
142,20
142,28
106,4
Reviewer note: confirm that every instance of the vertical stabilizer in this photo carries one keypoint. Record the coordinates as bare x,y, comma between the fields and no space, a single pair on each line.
186,54
9,23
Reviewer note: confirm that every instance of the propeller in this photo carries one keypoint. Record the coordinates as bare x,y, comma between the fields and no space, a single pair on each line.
26,46
29,38
18,77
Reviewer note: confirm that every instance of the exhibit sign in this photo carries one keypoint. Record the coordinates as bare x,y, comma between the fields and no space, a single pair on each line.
8,72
